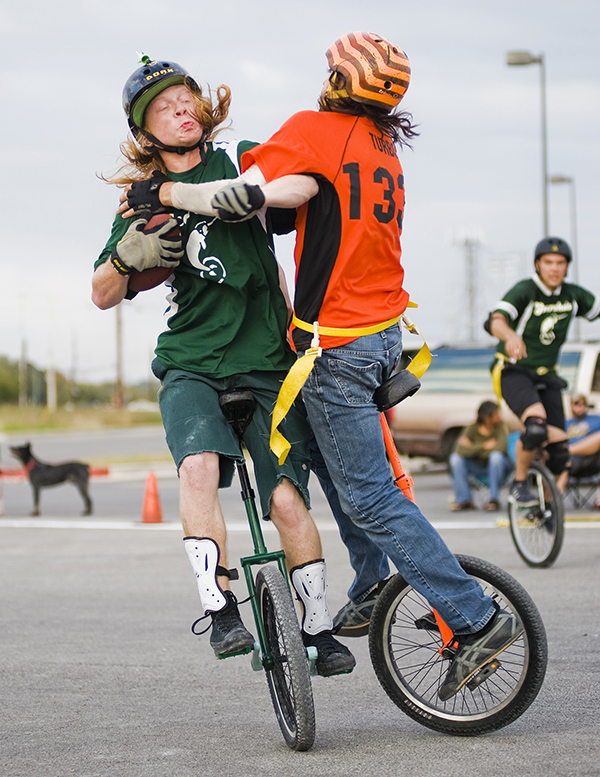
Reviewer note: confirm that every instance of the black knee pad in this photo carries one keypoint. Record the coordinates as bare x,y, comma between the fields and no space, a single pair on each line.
558,456
535,434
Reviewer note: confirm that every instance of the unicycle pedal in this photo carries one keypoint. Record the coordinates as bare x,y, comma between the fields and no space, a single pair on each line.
312,654
483,674
230,654
427,622
255,659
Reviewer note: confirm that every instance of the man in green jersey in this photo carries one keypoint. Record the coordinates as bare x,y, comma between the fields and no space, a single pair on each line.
226,328
531,322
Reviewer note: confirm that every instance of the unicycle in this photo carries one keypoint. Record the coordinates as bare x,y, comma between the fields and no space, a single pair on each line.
279,649
410,657
411,646
538,531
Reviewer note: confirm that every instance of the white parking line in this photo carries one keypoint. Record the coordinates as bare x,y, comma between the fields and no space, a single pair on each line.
572,522
125,523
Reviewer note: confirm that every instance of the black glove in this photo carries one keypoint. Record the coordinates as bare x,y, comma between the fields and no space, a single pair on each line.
238,201
143,195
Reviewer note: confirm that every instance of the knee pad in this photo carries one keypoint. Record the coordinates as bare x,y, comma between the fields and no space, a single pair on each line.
558,456
310,583
535,434
203,554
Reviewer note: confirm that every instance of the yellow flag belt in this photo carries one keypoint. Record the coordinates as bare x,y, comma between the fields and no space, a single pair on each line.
496,374
296,377
501,360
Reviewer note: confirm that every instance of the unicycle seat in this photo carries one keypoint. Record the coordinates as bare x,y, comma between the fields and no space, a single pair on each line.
237,405
401,385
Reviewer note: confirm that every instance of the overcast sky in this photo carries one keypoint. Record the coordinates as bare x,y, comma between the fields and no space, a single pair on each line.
474,171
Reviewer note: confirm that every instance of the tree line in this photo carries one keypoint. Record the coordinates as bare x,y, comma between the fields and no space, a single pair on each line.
26,384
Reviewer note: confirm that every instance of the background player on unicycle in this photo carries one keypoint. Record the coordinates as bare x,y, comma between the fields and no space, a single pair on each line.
531,322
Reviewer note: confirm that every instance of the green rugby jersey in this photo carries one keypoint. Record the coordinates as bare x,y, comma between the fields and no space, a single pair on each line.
542,317
226,313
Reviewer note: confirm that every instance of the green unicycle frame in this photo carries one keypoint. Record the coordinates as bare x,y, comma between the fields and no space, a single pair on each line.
261,556
280,651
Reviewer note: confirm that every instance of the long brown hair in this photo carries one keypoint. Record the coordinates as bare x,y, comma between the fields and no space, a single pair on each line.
141,159
398,125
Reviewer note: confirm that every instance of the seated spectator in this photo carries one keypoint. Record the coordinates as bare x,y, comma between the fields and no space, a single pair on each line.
583,431
481,451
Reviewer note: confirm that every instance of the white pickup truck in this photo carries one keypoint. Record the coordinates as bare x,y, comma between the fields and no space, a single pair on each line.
459,379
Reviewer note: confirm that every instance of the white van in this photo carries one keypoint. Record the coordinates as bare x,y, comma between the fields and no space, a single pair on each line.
459,380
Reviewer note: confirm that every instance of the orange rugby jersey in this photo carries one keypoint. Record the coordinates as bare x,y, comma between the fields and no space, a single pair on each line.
348,271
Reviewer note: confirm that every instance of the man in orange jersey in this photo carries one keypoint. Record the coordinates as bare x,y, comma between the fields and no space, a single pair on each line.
348,186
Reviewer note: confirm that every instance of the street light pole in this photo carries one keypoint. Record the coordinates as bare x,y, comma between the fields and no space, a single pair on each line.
519,58
544,143
573,214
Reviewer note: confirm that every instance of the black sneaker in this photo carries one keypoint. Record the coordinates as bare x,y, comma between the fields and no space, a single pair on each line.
354,617
229,637
476,650
521,495
333,657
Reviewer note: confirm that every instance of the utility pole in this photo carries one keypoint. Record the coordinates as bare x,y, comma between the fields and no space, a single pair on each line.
470,254
73,375
23,375
51,389
119,399
470,240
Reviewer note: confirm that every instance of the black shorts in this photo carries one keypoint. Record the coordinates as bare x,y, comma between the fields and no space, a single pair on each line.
521,389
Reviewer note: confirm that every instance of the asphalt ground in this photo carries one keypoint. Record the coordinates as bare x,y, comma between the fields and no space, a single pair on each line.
100,674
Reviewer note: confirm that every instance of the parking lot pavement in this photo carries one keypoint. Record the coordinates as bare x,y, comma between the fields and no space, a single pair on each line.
101,676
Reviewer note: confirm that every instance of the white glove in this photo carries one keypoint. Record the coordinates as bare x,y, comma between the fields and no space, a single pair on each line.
139,250
238,201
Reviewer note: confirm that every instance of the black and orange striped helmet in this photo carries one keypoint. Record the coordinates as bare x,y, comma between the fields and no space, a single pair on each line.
375,71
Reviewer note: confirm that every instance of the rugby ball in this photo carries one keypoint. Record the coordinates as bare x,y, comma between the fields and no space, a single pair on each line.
153,276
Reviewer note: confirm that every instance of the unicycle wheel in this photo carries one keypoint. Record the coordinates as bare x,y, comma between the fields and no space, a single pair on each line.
538,531
288,677
404,643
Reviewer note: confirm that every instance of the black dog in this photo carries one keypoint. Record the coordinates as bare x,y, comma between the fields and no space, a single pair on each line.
42,475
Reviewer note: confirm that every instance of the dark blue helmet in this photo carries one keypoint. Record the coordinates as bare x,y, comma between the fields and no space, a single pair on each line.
148,81
553,245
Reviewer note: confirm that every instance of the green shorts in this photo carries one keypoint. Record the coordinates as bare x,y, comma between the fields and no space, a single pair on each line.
194,423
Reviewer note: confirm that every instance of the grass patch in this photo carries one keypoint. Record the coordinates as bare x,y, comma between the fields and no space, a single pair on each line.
38,419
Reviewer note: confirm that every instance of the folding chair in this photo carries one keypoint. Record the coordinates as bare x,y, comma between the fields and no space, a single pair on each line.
581,490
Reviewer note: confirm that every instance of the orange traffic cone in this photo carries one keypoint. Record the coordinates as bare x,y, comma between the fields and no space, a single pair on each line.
151,512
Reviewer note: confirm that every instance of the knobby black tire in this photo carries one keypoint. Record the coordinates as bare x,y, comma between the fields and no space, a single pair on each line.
538,532
410,668
289,679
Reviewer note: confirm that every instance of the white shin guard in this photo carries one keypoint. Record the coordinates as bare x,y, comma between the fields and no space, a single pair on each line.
310,583
203,554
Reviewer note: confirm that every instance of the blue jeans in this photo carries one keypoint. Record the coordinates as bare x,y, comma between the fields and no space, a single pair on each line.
339,400
498,467
369,563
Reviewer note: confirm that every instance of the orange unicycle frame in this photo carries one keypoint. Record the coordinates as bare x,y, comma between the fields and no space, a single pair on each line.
405,484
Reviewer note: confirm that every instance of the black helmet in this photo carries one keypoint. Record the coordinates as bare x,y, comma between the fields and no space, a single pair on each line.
146,82
553,245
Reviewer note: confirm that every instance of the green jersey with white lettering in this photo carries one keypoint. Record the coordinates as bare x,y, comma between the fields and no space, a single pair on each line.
542,317
227,314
